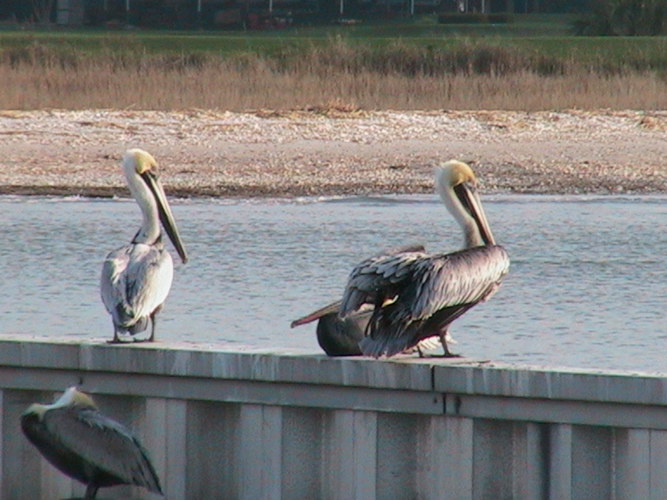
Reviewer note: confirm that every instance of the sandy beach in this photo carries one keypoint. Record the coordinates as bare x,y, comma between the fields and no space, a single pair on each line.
333,152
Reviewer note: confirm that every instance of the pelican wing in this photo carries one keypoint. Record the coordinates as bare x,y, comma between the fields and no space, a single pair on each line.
334,307
377,279
102,443
418,295
112,286
415,247
135,281
451,280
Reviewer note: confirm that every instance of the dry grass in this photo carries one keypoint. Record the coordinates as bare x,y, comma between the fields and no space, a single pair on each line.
400,77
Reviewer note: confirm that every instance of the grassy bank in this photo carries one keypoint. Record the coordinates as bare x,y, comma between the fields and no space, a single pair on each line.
313,67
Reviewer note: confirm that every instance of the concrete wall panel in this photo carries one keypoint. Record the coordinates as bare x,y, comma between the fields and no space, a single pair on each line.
262,425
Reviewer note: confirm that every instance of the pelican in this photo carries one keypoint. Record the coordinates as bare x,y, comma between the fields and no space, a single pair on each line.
337,336
136,278
416,295
85,445
341,336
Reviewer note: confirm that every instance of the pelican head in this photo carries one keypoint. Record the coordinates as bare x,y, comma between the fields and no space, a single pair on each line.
141,171
71,397
456,184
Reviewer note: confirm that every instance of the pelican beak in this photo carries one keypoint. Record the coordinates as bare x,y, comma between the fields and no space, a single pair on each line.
469,198
164,211
331,308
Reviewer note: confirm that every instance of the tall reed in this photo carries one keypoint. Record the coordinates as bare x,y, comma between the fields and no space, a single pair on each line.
398,76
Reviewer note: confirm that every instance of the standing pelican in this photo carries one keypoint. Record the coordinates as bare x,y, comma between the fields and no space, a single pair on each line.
136,278
84,444
416,295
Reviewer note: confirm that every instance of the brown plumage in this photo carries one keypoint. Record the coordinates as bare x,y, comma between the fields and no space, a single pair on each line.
84,444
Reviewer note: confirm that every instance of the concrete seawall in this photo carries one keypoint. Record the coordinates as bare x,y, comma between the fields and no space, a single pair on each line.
271,424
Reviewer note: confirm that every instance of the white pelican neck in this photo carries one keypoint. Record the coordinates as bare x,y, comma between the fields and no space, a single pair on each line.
448,196
150,227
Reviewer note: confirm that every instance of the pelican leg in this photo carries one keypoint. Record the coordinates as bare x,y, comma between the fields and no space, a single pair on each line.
153,319
443,341
91,491
152,337
115,339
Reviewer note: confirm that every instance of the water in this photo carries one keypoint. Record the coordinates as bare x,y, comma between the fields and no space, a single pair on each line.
587,287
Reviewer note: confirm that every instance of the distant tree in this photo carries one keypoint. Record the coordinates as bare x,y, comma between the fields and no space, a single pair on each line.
16,10
41,10
640,17
566,6
625,17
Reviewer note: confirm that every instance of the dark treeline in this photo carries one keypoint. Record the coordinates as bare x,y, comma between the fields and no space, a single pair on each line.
182,13
597,17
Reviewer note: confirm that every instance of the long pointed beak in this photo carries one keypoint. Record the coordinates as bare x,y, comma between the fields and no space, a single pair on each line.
331,308
164,211
469,198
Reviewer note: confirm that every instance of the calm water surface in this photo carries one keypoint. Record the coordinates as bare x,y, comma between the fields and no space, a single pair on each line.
587,286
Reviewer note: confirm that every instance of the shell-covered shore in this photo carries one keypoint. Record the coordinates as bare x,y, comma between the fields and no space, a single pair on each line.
333,152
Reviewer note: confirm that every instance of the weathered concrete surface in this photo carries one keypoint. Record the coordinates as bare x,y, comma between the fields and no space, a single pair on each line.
258,424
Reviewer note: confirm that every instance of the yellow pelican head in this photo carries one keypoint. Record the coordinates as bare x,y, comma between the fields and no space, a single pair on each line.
71,397
457,186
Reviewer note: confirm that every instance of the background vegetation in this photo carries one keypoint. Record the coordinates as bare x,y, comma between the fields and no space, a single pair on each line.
400,65
624,17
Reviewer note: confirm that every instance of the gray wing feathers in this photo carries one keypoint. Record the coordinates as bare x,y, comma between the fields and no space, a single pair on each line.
335,306
135,280
112,287
377,276
415,247
142,277
105,443
415,286
460,278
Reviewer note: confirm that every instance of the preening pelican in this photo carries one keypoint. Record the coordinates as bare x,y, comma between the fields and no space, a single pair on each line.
341,336
416,295
136,278
84,444
337,336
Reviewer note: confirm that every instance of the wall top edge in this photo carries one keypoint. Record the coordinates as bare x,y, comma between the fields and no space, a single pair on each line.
234,361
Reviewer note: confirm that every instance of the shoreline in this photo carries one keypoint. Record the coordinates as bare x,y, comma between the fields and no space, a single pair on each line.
250,193
298,153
